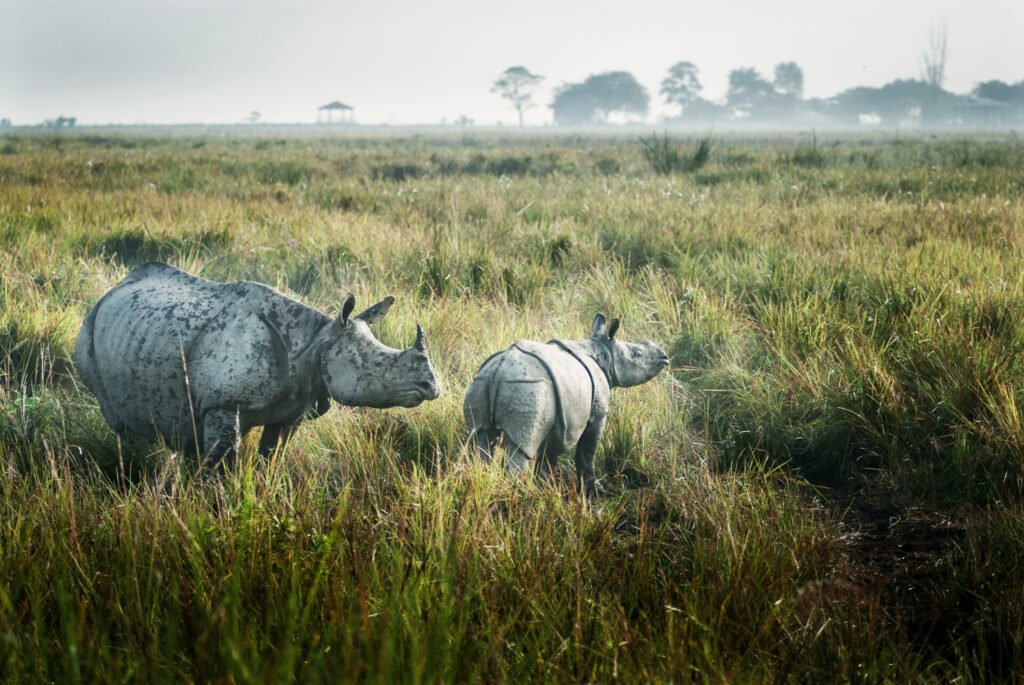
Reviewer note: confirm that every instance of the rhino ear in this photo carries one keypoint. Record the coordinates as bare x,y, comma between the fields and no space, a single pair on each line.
598,327
613,327
421,339
348,303
377,311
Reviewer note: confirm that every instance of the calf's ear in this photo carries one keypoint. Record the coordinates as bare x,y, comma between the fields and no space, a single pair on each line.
613,327
598,327
348,303
377,311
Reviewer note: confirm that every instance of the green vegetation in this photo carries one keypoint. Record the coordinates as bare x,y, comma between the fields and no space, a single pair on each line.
666,158
828,484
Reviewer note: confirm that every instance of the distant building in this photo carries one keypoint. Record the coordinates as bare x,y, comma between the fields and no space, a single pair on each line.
326,114
987,113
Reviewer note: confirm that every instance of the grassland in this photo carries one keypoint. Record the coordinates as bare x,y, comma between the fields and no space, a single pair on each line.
827,485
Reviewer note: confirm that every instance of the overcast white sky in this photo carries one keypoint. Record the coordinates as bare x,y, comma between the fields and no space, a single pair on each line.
402,61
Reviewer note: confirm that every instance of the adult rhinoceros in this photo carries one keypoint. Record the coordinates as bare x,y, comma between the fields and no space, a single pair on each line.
546,399
201,363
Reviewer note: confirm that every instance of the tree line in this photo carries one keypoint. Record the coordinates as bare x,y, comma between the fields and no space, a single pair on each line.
752,97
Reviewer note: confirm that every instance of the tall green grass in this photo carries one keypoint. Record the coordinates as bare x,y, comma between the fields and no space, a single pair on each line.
835,452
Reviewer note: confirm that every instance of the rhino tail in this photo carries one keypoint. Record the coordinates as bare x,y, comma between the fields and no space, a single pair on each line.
477,406
493,391
480,408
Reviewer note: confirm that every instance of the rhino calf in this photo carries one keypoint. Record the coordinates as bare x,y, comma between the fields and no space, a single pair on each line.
201,363
543,400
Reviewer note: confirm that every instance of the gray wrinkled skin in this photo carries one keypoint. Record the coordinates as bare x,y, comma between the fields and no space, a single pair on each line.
201,363
542,400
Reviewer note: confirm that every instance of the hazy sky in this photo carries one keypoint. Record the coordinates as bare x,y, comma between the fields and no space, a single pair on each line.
158,61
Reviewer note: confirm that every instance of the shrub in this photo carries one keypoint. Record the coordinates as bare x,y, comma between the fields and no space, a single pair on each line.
396,172
666,158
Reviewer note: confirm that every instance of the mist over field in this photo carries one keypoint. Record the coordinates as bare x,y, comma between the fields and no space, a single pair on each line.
825,485
434,63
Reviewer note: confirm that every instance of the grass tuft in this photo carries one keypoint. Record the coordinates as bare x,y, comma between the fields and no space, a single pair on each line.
666,158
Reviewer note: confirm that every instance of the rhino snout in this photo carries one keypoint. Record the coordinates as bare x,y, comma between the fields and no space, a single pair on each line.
658,356
418,393
428,390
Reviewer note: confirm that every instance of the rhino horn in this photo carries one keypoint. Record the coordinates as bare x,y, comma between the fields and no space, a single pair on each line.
421,339
376,312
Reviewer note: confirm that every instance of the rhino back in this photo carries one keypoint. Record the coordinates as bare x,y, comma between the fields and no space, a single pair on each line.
538,395
141,332
259,359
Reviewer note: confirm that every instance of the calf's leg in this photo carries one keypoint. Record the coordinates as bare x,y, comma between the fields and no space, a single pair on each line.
586,448
546,464
517,460
483,443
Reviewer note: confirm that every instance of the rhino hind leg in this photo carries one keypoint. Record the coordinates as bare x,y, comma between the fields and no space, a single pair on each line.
517,460
276,437
221,435
547,462
483,440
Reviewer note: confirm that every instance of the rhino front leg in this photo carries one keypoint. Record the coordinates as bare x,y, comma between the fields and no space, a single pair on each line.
221,435
276,435
586,449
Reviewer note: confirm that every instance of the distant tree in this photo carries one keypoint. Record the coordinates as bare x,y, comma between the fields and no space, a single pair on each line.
789,79
681,86
599,96
933,57
516,85
254,117
1000,91
573,104
895,101
5,123
618,91
748,90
